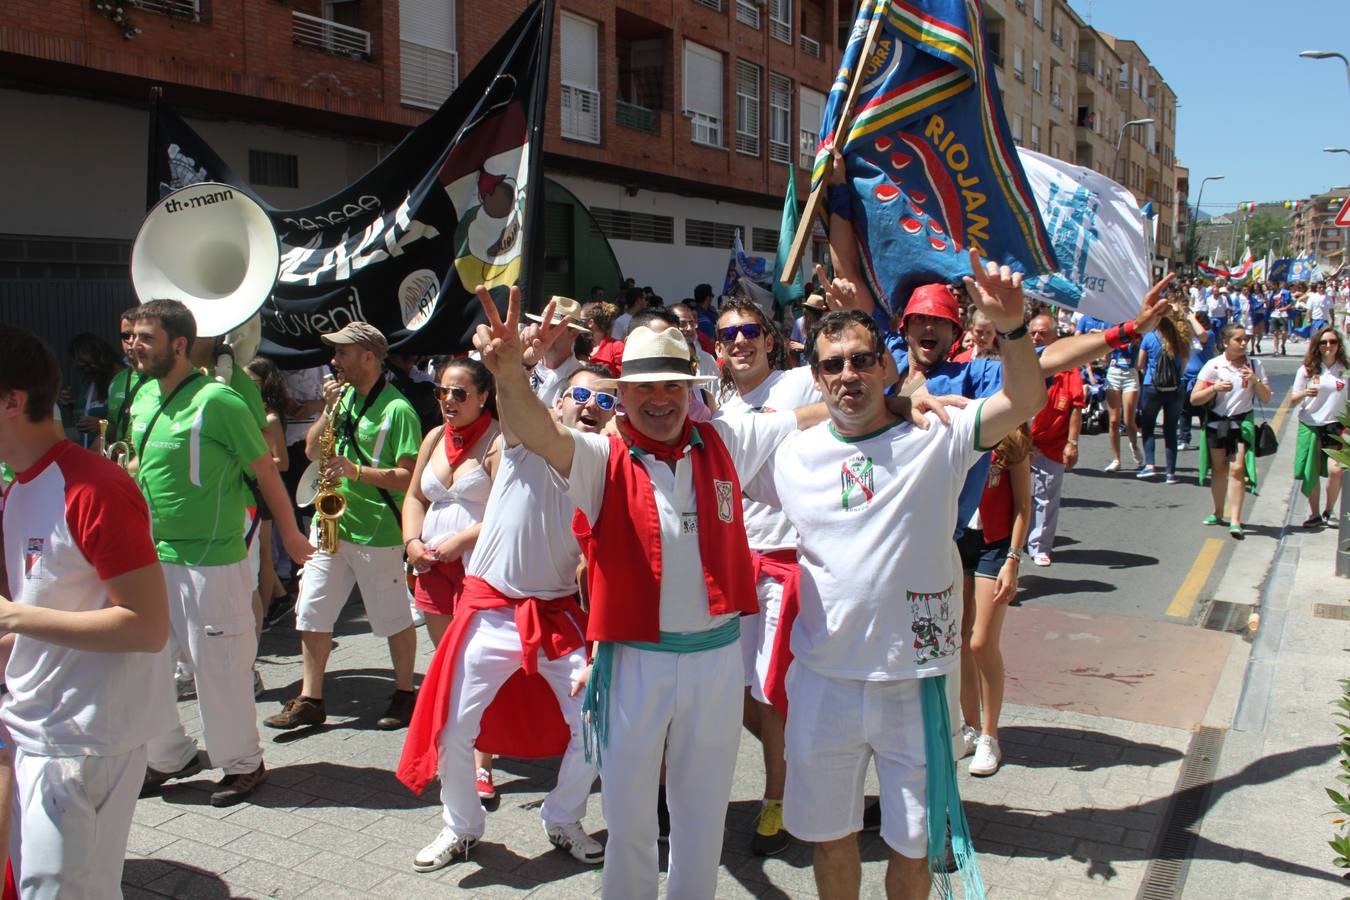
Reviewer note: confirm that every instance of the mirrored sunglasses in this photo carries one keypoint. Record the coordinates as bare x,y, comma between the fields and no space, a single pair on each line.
750,330
457,394
581,396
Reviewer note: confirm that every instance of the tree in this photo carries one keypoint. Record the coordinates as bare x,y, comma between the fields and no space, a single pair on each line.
1266,232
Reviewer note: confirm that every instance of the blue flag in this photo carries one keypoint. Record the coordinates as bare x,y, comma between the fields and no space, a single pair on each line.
1305,268
929,156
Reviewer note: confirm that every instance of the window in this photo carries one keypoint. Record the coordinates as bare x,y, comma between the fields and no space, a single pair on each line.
810,111
780,20
711,4
747,13
428,61
1016,127
703,93
763,240
780,118
747,108
269,169
580,79
621,225
1018,72
1036,76
1038,12
1036,138
701,233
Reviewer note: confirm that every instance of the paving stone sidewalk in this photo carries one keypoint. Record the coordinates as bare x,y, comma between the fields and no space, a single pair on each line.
1072,813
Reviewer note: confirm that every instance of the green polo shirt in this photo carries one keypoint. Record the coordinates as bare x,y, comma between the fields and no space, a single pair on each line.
386,432
191,470
119,390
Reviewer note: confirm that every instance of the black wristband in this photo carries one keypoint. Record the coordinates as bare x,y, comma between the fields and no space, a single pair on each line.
1016,334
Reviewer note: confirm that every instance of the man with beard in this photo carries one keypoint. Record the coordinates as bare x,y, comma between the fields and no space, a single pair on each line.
518,619
193,438
125,384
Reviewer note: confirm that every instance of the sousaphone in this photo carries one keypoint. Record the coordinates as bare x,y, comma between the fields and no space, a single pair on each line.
211,246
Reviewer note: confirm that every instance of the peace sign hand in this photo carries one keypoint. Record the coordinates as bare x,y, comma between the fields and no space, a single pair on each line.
498,342
997,291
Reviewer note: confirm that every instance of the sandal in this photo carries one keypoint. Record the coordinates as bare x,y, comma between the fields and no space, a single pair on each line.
1313,521
1214,520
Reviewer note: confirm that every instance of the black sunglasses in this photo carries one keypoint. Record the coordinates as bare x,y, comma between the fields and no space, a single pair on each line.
458,394
860,362
1329,342
581,395
128,335
750,330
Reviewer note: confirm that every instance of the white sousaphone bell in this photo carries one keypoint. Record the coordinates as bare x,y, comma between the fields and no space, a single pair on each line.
214,248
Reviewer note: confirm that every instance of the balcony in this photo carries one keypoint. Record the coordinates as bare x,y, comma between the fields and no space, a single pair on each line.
1056,100
580,114
179,9
1021,5
329,36
635,117
1057,38
810,46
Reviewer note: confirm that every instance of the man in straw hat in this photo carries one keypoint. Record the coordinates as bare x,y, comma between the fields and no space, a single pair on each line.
552,367
669,574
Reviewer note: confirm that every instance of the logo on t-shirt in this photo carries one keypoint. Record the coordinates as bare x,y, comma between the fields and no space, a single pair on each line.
32,556
726,495
855,479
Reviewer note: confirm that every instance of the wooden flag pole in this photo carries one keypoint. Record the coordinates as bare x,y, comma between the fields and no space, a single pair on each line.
813,203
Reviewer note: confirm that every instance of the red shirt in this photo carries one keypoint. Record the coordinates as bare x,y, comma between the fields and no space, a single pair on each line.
609,353
1050,428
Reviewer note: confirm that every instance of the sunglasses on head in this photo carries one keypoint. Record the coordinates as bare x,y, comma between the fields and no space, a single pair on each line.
860,362
457,394
581,396
750,330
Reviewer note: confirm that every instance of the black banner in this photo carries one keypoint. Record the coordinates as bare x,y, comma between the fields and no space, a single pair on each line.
405,245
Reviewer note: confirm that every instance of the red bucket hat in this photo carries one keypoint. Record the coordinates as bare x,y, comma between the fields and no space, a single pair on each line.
934,300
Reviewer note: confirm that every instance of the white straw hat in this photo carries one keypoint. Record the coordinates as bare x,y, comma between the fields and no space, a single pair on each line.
658,356
563,306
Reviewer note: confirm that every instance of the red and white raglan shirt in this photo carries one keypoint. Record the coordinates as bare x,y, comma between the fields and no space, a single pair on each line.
72,521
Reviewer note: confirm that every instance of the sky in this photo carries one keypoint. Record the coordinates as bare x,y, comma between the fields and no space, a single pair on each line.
1250,108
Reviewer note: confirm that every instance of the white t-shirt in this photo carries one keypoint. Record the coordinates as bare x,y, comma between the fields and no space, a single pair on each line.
303,386
548,383
1217,305
750,440
1320,305
1239,400
526,547
1333,390
707,364
73,521
880,579
765,525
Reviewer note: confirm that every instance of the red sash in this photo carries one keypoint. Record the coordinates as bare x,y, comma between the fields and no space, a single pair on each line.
524,720
781,566
623,546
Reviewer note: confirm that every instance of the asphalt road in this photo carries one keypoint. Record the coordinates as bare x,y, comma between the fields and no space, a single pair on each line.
1125,545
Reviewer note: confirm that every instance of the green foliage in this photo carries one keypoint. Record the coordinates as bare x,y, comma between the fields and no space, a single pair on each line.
1341,454
1340,844
1265,232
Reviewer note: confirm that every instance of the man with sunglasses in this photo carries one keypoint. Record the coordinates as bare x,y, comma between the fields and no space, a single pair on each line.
518,620
873,501
124,385
750,384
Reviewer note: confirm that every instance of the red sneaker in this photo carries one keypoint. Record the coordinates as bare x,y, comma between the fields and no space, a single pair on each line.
487,792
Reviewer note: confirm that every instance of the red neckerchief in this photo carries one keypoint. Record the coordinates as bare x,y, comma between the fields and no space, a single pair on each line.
459,441
623,545
662,451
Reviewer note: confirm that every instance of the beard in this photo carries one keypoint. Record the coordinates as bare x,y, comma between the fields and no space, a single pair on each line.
155,365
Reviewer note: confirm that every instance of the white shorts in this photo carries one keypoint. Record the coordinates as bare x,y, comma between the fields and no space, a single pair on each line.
1124,380
835,727
758,633
328,581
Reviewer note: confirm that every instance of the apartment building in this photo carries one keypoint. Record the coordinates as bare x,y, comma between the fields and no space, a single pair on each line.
676,123
1313,229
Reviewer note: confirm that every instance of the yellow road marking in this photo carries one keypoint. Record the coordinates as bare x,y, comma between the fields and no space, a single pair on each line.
1283,411
1184,600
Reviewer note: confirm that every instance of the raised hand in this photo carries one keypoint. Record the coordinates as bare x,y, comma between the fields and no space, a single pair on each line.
1154,306
997,291
840,293
547,332
498,342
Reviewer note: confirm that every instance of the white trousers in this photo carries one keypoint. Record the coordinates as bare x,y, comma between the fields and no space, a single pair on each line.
211,618
490,655
1047,483
687,707
72,815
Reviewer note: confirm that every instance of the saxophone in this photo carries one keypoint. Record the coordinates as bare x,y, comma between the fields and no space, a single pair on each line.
329,505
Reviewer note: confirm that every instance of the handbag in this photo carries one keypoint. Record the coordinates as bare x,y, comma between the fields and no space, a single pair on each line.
1266,442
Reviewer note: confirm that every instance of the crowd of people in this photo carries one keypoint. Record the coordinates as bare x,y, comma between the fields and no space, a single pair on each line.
627,529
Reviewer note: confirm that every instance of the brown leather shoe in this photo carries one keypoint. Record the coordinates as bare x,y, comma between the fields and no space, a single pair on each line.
298,712
400,711
233,789
155,779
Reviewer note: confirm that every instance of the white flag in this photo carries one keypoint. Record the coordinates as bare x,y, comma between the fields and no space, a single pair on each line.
1099,238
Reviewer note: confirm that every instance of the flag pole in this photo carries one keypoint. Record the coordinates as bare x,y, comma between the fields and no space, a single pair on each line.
531,256
813,202
152,158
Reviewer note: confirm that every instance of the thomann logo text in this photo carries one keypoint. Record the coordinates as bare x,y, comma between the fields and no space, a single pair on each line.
173,205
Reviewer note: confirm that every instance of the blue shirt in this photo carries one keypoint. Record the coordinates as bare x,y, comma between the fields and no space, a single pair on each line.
1198,358
1152,346
1091,323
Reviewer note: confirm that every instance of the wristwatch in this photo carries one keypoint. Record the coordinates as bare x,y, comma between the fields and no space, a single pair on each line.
1073,441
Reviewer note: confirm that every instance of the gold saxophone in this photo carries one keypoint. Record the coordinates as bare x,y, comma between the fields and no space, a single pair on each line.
118,451
329,505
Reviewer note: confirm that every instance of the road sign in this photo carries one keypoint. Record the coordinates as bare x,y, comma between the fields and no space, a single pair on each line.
1343,217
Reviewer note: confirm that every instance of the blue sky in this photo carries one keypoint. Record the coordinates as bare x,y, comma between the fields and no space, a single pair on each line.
1251,109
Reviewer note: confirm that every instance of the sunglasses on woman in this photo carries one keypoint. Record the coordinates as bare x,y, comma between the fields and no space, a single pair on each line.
1330,342
457,394
750,330
860,362
581,396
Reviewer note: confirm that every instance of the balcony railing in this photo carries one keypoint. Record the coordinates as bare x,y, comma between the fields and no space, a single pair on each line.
705,129
810,46
179,9
1085,66
328,36
1056,101
638,118
580,114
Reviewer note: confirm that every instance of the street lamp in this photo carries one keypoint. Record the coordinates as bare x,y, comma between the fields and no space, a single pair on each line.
1190,261
1121,137
1328,54
1336,150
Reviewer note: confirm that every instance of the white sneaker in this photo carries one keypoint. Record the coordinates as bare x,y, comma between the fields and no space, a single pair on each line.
987,757
447,848
968,736
1041,559
1112,466
574,839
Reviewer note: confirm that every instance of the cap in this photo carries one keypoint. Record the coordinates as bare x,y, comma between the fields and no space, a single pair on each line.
933,300
362,334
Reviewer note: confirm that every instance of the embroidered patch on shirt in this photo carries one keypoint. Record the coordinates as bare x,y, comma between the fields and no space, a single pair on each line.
32,556
689,523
